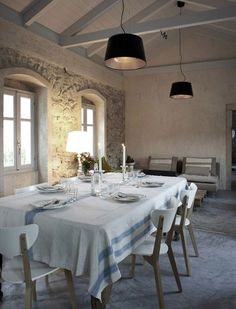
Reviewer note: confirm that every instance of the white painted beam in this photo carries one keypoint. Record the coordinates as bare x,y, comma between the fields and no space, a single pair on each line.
34,10
44,32
88,18
210,4
188,67
10,15
184,21
226,27
95,48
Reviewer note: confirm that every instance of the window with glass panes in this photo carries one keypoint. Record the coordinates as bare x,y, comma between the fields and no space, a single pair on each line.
88,124
18,130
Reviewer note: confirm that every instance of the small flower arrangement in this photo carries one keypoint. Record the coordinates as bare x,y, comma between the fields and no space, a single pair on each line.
87,162
129,159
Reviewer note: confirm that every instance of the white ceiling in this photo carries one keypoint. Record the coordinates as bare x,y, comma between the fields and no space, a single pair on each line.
85,26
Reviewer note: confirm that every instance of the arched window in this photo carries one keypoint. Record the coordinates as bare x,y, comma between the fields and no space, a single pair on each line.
93,120
88,123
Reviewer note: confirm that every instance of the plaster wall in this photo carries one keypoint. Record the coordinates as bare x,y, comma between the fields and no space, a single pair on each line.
160,126
165,52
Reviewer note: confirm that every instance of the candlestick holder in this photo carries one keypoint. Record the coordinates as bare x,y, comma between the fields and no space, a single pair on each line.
124,173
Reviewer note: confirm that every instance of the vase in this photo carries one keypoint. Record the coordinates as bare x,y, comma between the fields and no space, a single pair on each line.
130,167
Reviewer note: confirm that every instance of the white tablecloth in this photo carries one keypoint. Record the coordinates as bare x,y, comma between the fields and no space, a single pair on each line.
92,235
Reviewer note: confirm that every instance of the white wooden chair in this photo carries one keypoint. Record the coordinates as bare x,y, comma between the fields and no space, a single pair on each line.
154,246
18,268
183,222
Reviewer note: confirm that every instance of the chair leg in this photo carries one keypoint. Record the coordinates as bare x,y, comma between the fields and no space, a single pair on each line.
133,259
34,293
156,268
71,289
28,296
47,280
185,251
190,229
174,268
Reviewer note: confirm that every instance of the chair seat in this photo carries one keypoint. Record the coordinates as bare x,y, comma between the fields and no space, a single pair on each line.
146,248
13,270
178,219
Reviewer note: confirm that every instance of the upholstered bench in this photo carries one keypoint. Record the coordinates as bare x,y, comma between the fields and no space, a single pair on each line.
162,166
201,171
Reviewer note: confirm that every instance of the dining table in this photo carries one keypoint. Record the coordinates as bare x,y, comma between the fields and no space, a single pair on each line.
91,234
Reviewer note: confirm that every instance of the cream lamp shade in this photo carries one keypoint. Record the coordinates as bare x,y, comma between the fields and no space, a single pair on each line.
77,141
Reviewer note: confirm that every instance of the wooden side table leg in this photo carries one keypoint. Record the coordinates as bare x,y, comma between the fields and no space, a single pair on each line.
106,293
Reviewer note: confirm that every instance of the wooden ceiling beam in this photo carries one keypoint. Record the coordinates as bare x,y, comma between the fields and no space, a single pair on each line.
88,18
34,10
184,21
210,4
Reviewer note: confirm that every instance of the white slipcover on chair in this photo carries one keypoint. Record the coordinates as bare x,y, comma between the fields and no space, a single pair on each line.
155,246
183,221
17,267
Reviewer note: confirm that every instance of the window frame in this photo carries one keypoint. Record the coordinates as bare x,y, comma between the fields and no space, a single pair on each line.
84,124
18,167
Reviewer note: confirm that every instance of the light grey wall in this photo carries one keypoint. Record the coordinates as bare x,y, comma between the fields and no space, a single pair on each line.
158,125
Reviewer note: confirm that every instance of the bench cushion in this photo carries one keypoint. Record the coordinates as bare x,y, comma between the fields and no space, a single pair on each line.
199,178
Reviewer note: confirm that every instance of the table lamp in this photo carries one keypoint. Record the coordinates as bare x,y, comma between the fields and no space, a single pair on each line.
77,142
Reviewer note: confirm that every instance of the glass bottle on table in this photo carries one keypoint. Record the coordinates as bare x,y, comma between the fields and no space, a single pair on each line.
96,181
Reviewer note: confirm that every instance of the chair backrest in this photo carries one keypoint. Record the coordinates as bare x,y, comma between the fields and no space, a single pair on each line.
162,164
190,193
164,220
199,166
168,215
10,238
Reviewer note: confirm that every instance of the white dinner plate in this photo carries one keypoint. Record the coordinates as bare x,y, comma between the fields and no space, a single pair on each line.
152,184
127,197
51,204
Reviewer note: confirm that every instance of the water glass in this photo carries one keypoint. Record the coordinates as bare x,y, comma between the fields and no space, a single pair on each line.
104,190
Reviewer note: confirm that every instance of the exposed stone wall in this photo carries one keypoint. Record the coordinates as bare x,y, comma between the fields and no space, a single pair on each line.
64,111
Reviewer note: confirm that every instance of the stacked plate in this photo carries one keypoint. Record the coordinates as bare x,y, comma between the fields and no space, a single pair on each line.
152,184
127,197
50,189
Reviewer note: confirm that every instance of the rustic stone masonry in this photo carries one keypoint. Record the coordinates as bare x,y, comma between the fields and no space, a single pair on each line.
64,111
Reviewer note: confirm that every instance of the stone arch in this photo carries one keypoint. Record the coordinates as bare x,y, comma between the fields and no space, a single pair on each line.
100,102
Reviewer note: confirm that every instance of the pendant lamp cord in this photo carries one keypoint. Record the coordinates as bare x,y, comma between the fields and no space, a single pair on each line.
121,18
180,50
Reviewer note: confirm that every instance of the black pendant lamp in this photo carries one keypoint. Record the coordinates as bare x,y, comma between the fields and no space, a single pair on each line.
125,51
181,89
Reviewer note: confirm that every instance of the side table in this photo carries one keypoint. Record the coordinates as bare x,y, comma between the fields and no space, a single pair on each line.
199,197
